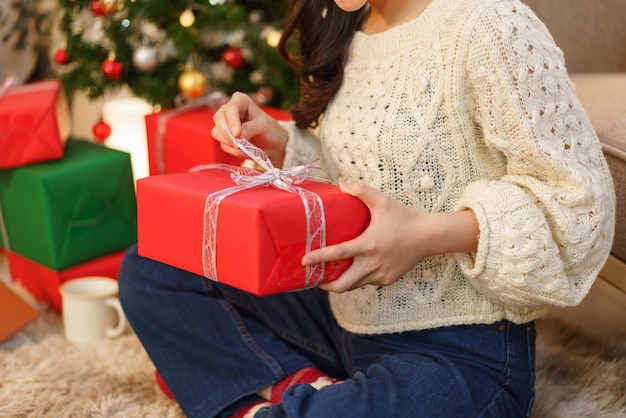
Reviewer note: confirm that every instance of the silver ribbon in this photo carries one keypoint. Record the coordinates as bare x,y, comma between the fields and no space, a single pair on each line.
8,81
283,179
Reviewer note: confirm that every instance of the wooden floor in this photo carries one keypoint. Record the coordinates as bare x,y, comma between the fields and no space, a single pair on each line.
603,312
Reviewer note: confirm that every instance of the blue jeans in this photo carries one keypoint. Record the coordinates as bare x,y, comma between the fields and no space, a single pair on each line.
216,346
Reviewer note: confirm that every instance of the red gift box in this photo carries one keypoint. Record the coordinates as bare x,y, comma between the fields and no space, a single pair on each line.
187,142
43,282
35,123
261,231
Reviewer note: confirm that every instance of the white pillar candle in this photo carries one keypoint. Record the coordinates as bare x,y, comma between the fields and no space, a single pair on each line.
128,130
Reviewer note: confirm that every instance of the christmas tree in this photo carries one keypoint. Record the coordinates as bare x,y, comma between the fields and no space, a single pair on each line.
170,51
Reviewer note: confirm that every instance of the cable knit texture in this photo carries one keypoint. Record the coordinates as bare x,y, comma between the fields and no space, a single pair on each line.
470,106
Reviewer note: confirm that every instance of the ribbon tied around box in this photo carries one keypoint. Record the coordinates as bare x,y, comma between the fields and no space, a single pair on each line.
283,179
9,80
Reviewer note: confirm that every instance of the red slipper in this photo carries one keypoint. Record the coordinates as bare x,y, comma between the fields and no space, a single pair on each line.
250,410
310,375
161,383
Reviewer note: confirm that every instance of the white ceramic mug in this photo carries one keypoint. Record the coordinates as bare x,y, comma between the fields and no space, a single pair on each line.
91,309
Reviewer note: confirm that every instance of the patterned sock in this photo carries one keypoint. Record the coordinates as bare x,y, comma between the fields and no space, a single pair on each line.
161,383
311,375
249,410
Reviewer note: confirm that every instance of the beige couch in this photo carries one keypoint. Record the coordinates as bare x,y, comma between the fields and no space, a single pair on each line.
592,35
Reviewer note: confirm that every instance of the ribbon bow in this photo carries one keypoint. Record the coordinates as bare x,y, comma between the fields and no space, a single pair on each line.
246,178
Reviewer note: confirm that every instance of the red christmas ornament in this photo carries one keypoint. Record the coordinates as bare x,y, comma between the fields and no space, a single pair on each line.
233,57
61,56
101,130
112,68
97,8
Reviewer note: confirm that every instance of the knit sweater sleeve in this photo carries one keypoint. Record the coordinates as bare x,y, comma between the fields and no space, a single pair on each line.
547,224
302,145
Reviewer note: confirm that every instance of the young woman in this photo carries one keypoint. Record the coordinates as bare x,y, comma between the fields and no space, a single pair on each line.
455,122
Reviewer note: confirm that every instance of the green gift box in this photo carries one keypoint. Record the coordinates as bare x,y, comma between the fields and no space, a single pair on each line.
68,211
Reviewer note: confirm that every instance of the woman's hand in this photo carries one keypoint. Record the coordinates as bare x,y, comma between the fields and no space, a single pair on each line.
247,121
397,238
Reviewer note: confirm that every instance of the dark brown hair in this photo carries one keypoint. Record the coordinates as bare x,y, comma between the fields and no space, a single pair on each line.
315,40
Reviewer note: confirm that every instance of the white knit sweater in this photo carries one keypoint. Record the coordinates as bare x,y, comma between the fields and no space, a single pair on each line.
470,106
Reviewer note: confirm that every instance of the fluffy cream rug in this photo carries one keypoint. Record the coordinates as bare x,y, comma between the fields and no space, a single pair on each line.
47,376
578,376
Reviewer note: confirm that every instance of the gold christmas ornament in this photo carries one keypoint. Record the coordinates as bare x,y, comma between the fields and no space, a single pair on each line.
187,18
110,6
192,84
273,38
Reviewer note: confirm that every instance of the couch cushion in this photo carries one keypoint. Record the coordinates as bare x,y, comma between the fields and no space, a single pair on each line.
603,96
591,33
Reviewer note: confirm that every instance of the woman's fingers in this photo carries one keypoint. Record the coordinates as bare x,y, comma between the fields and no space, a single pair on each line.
351,279
234,114
239,109
331,253
361,191
389,247
362,270
246,120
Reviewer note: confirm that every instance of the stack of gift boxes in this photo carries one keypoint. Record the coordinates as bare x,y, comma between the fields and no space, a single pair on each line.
67,206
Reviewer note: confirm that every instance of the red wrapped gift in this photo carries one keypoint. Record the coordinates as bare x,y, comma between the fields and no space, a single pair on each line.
260,233
185,141
35,123
43,282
